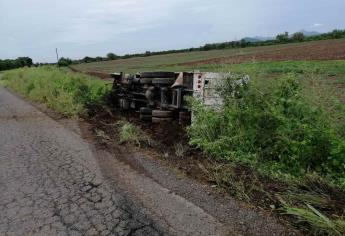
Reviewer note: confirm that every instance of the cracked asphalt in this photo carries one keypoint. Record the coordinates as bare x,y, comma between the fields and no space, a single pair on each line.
50,183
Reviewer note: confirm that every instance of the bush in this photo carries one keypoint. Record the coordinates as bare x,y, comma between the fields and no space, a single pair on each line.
66,92
298,36
111,56
283,37
64,62
278,131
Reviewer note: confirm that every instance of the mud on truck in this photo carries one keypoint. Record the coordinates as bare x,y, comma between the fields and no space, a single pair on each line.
162,96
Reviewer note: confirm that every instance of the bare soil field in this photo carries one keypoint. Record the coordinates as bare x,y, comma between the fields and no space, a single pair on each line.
317,50
322,50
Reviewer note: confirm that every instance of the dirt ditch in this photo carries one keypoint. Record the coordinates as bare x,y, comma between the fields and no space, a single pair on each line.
223,180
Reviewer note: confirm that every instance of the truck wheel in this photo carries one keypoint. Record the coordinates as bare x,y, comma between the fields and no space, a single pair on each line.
147,118
158,74
162,114
145,80
184,115
145,111
161,120
163,81
184,118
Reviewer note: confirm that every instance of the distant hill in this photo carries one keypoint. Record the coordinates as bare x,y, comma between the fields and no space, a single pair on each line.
257,39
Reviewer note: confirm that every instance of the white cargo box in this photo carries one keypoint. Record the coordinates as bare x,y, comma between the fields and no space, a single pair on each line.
206,86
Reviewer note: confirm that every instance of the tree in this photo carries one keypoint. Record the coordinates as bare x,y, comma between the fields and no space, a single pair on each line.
24,61
283,37
99,59
337,34
299,36
112,56
64,62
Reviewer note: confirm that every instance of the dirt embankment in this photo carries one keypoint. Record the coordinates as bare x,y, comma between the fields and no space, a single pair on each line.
101,75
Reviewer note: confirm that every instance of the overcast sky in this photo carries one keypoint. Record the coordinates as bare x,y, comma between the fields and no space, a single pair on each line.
81,28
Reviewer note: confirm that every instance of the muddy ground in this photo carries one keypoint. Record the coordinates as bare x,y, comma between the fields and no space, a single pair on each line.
220,182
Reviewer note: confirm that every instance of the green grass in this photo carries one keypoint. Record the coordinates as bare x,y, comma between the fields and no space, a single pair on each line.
67,93
130,133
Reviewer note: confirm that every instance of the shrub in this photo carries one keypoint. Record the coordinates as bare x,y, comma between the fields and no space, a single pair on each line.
111,56
298,36
283,37
277,131
64,62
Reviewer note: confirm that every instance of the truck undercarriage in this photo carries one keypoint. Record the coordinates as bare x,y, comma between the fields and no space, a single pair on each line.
162,96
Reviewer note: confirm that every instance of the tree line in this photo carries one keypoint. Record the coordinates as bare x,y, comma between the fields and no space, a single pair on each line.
280,39
8,64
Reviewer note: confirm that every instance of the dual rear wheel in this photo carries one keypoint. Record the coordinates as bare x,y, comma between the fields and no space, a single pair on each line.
155,116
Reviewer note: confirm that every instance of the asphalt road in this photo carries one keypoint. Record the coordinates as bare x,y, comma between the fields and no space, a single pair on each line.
50,183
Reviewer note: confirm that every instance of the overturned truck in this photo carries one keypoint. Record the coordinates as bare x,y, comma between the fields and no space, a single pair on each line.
162,96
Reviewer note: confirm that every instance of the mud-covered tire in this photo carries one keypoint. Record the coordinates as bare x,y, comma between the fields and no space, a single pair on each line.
158,74
163,81
162,114
147,118
161,120
185,117
145,80
145,111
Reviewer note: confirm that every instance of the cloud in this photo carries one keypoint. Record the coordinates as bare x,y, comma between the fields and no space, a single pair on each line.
94,27
317,25
102,20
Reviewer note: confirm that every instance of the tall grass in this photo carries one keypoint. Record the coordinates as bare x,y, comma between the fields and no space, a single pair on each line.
288,128
65,92
321,224
275,130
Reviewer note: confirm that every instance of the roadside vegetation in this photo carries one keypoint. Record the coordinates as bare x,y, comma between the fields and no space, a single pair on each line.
278,143
65,92
282,138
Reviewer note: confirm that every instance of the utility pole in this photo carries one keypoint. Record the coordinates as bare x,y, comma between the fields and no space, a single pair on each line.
57,55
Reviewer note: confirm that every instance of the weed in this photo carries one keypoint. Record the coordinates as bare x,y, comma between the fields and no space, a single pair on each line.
130,133
101,134
225,176
180,149
319,222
